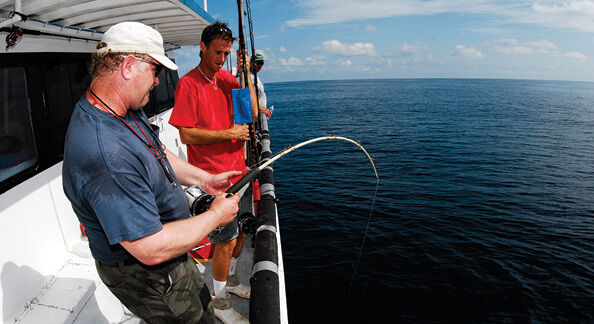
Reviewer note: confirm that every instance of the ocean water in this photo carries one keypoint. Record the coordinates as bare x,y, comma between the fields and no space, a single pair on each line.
484,210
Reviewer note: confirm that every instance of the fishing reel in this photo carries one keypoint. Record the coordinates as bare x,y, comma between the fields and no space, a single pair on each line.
247,223
199,201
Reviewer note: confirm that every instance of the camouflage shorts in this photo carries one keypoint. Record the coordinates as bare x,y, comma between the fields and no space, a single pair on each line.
172,292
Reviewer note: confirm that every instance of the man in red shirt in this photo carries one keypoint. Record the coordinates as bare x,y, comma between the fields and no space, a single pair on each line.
203,114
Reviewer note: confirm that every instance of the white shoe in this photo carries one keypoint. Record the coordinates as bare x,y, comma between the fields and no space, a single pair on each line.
240,290
230,316
226,314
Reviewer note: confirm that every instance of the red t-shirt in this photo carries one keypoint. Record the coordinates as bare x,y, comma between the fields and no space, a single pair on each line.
199,105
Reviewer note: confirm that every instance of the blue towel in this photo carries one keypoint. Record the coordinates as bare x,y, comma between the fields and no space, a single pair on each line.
242,106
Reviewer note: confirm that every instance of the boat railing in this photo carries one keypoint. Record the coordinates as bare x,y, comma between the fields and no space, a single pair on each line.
268,300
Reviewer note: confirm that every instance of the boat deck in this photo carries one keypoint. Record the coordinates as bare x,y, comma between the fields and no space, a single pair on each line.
244,272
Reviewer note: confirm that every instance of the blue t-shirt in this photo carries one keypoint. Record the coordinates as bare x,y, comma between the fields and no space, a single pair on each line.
117,187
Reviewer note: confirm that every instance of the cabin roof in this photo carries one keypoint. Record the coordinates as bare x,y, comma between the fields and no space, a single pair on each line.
180,22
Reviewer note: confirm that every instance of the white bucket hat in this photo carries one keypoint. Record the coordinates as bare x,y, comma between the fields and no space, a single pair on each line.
135,37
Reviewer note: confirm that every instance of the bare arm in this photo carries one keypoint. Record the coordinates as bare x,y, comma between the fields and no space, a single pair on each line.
266,111
253,96
208,136
178,237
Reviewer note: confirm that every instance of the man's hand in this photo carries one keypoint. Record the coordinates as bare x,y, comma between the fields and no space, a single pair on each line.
266,112
225,208
218,183
240,60
239,132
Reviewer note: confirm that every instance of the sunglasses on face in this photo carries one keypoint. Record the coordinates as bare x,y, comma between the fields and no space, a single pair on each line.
158,67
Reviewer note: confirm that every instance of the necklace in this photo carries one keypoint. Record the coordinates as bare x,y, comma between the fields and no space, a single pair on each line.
157,151
209,80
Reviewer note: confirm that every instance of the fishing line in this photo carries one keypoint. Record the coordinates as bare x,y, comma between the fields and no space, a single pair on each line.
360,252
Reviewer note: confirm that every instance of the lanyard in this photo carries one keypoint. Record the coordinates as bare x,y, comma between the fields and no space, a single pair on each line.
157,152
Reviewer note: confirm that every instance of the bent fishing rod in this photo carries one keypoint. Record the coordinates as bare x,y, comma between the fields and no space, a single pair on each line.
253,172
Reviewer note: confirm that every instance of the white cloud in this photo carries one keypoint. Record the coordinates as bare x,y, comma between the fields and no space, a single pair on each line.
581,7
511,46
468,52
282,49
292,61
346,63
415,53
318,12
355,49
576,56
542,44
572,14
315,60
370,28
368,69
413,50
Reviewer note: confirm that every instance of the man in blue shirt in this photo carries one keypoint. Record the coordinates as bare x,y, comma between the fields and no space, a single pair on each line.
125,188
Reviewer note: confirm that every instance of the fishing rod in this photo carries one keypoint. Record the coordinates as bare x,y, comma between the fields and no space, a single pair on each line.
251,29
256,170
251,149
199,200
242,49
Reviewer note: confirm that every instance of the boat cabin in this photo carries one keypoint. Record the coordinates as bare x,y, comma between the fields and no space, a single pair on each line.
47,273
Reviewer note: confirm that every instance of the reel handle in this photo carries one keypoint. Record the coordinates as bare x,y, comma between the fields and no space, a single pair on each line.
249,176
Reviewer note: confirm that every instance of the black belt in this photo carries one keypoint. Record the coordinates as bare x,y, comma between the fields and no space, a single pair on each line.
132,260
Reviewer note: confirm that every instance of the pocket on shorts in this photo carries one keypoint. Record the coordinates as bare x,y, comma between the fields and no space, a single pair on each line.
112,277
156,280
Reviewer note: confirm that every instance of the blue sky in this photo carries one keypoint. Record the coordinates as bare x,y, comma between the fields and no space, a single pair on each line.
346,39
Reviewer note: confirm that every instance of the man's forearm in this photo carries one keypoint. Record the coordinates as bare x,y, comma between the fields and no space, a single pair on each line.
253,99
203,136
174,239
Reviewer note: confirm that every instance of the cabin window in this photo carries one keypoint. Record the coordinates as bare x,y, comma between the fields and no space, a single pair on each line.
18,151
65,83
172,82
162,96
164,92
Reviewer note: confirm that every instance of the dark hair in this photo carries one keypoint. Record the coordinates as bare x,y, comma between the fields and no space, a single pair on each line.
217,30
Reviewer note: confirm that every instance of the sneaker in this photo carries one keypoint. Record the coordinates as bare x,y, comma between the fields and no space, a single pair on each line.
240,290
226,314
233,280
235,287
